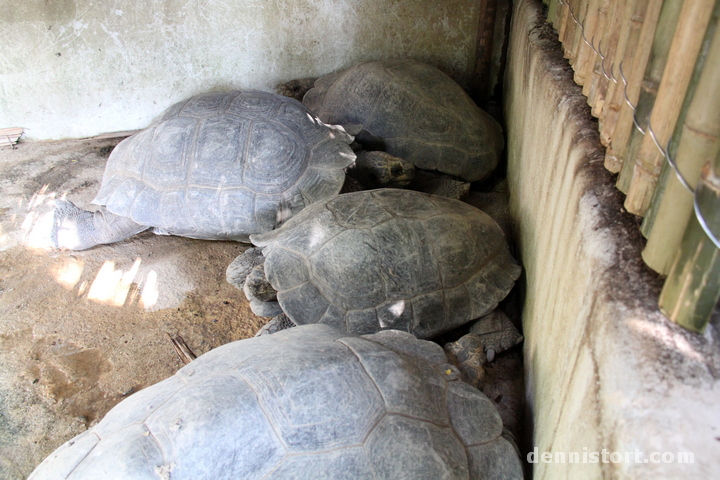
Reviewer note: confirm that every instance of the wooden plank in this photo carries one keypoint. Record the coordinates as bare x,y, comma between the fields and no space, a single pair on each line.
12,131
10,136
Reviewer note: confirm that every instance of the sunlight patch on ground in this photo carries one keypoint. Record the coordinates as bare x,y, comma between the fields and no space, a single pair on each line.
154,285
150,292
111,285
68,274
35,229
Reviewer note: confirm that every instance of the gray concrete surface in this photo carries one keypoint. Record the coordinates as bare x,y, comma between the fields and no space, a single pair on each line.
77,68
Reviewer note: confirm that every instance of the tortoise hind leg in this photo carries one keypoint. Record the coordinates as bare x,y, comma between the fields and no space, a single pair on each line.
77,229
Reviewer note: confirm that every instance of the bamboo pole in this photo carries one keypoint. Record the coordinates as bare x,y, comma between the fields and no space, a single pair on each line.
624,127
557,17
602,52
570,28
561,19
661,42
696,140
599,30
622,37
581,13
626,51
585,53
684,50
692,288
552,10
613,29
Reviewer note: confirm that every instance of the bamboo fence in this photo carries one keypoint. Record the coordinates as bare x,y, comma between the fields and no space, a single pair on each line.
651,72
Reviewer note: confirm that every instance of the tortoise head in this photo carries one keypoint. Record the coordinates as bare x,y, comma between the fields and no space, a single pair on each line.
380,169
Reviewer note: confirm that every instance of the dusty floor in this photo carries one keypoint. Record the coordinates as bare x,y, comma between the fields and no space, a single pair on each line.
80,331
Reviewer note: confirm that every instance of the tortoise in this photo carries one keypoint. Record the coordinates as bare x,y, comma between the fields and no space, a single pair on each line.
307,403
414,111
216,166
488,336
380,259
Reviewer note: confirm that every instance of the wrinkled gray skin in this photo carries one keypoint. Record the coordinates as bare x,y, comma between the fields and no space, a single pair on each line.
497,333
305,403
413,111
381,170
468,354
218,166
387,259
488,336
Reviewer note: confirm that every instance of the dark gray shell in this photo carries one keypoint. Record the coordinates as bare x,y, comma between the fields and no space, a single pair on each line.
305,403
413,111
225,165
389,259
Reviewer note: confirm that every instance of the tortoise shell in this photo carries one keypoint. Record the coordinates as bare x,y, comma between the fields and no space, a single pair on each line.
306,403
225,165
413,111
389,259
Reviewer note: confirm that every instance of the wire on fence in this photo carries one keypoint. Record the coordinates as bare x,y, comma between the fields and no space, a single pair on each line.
665,152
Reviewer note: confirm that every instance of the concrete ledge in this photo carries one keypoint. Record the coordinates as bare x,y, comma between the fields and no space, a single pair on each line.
604,368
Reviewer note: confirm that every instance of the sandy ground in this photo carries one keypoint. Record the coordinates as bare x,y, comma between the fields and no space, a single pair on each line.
80,331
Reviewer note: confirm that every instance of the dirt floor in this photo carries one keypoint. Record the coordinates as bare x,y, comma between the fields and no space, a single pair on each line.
80,331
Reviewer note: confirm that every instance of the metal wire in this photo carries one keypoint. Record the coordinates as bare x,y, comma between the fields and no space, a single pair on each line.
665,152
703,223
675,168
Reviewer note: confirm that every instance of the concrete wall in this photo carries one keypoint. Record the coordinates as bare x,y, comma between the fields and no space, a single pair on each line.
604,368
74,68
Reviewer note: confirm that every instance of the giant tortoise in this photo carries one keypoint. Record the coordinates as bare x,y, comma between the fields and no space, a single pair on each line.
380,259
217,166
306,403
413,111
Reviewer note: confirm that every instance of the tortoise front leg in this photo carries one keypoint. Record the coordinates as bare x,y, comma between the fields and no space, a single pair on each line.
241,267
77,229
